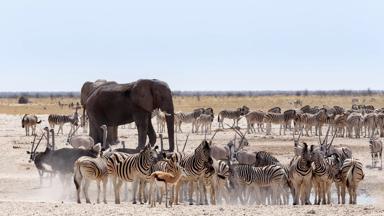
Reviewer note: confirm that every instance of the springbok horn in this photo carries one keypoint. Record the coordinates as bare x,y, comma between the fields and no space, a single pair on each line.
234,129
326,135
333,137
177,144
301,133
213,135
186,140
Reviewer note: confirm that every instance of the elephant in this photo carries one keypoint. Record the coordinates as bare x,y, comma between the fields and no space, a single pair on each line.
86,90
117,104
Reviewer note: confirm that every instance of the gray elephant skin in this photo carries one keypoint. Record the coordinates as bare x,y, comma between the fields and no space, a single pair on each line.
117,104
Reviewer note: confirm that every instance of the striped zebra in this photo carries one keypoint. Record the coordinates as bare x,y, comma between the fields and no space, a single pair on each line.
60,120
235,115
190,117
380,123
87,169
194,165
376,149
160,120
254,179
340,124
130,168
370,124
317,120
274,110
29,121
310,110
351,174
300,174
255,117
322,177
274,118
264,158
279,118
204,121
220,180
171,167
354,124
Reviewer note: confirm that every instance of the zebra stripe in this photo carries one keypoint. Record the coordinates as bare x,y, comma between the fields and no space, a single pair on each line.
60,120
89,168
126,167
235,115
300,173
351,173
272,176
194,165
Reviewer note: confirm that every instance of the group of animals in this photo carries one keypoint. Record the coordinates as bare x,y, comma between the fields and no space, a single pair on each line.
228,174
356,122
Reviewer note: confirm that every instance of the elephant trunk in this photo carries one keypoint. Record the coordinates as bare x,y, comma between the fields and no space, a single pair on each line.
170,125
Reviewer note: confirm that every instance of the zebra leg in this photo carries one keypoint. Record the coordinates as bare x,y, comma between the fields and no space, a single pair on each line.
98,192
105,181
85,190
190,192
135,184
117,185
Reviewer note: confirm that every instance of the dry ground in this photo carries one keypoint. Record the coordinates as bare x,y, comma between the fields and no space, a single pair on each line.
21,194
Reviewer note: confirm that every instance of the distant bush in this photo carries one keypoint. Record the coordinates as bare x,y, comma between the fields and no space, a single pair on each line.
23,100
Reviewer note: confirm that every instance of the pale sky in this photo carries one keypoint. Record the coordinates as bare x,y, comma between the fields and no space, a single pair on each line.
196,45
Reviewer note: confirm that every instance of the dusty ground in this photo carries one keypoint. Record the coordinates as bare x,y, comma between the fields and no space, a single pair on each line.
21,194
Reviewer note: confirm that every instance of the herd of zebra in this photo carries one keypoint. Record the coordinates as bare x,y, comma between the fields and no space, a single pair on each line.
356,122
226,173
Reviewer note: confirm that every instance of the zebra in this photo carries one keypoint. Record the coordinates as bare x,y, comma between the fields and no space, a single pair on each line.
255,117
60,120
274,110
205,122
300,174
171,167
276,118
309,109
89,168
191,117
354,122
322,177
264,158
194,165
376,149
317,120
279,118
380,123
29,121
232,114
131,168
351,174
256,178
340,124
160,120
370,124
220,180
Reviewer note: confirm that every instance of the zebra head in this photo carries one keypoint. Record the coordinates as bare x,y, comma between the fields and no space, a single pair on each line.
150,153
204,151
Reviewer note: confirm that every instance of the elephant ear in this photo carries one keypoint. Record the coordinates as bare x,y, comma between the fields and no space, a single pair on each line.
142,96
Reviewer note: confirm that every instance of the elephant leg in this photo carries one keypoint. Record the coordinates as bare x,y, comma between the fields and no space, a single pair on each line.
142,128
115,137
151,133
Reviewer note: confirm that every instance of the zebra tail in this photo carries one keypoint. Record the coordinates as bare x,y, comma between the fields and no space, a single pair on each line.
77,175
218,118
350,175
38,122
